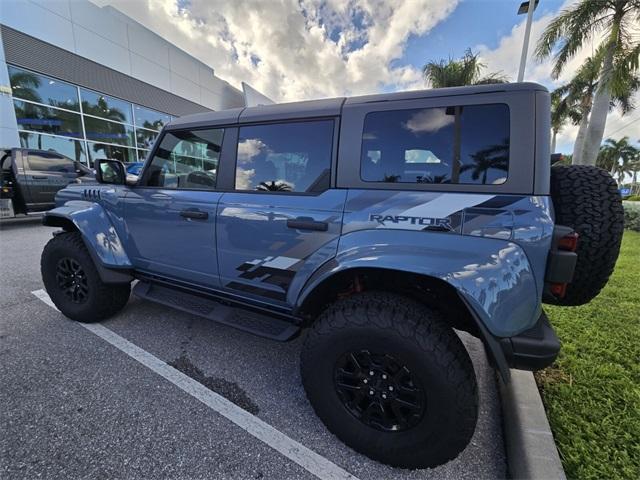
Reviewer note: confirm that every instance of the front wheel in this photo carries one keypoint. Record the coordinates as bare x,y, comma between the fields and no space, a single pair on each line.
390,379
73,283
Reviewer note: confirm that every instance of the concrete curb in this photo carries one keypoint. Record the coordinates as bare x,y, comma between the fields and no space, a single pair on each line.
531,450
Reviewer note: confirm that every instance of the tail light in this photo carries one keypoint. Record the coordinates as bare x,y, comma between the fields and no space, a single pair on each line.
559,290
567,243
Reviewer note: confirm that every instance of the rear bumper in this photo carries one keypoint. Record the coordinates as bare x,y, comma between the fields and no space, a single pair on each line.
533,349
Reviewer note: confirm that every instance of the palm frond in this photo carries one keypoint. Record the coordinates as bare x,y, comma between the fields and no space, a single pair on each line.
572,29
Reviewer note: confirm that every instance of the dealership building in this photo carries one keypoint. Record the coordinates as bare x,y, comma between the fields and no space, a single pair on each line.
89,82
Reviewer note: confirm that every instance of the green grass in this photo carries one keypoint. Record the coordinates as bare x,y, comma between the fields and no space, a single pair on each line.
592,392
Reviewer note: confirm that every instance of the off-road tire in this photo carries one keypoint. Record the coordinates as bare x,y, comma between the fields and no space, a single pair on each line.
586,199
102,300
417,335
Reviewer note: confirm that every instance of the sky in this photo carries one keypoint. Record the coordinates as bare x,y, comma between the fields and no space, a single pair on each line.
304,49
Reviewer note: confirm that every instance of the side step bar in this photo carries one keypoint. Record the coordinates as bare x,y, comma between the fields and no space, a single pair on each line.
200,305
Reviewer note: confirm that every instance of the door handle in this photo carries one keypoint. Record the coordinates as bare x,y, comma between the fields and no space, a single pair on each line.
161,196
194,214
306,223
39,177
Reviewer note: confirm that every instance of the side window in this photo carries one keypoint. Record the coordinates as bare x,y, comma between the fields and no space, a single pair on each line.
186,159
50,162
457,145
285,157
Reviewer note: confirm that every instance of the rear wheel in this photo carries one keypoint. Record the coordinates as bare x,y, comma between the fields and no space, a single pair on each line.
586,199
390,379
73,283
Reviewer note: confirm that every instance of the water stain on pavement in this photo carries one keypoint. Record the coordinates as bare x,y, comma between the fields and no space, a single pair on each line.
229,390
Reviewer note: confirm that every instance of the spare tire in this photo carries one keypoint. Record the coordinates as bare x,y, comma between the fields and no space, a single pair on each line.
586,199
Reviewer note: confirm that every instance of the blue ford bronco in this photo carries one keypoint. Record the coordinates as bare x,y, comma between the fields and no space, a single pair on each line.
376,225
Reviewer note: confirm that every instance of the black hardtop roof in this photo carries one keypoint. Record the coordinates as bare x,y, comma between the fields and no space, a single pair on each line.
328,107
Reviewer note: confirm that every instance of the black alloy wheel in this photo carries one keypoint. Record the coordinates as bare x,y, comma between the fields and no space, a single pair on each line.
391,379
379,390
72,280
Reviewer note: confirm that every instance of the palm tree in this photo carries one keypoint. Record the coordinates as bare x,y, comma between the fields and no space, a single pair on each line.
634,166
25,86
457,73
493,157
102,109
564,106
616,156
577,26
275,186
578,95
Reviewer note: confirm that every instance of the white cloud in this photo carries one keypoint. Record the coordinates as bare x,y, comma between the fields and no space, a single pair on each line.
300,49
249,148
506,58
428,121
297,49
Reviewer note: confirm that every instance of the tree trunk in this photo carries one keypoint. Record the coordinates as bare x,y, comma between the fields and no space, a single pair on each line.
578,146
597,123
554,136
601,100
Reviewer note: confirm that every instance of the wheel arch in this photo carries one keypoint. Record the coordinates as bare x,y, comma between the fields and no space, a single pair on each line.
344,282
52,220
98,235
426,289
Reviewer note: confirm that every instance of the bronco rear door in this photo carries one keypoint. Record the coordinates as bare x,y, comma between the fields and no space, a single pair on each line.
283,217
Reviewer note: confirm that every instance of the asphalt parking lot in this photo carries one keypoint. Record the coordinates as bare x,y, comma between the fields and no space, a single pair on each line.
73,405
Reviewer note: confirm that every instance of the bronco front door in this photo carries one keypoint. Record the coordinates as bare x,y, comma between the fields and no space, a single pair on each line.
171,214
283,219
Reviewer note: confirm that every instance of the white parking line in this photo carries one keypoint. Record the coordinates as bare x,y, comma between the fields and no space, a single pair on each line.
295,451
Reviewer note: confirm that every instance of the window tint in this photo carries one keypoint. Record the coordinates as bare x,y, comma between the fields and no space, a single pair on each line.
50,162
151,119
186,159
287,157
45,119
73,149
464,144
38,88
104,106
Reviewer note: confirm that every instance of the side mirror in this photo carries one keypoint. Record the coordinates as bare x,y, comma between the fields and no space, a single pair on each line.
110,171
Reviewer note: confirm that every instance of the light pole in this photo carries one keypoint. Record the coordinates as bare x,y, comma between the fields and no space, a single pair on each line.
524,8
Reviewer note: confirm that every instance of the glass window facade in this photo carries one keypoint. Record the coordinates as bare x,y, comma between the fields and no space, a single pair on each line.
104,106
150,119
79,123
108,132
37,118
38,88
102,150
